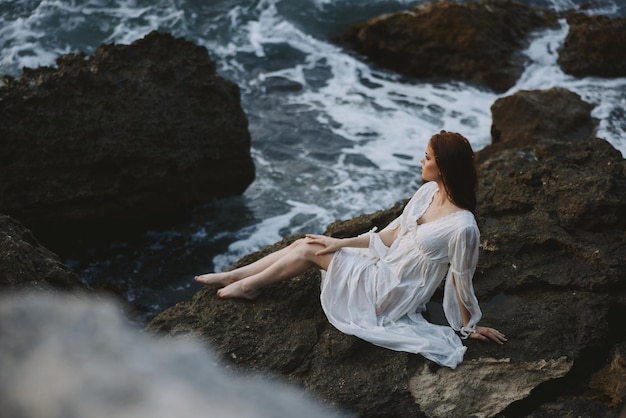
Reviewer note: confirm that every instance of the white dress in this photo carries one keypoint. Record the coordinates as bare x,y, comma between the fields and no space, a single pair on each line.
379,293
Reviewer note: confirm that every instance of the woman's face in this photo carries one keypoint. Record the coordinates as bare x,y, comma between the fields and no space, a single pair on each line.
430,170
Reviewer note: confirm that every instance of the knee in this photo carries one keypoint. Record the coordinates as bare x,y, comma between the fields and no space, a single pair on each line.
297,243
305,249
299,246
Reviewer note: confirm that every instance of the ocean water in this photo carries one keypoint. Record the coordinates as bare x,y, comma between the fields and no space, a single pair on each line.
332,136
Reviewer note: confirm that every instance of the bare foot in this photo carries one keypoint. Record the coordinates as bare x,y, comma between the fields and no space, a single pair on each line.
224,278
238,290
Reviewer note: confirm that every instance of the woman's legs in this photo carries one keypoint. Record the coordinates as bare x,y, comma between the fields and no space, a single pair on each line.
300,257
227,277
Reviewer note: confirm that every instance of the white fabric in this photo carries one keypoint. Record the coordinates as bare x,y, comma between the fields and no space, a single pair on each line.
379,293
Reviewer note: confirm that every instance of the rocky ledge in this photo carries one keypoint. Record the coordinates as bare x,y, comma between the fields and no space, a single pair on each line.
551,276
123,139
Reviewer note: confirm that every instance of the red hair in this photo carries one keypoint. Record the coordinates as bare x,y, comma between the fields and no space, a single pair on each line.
455,159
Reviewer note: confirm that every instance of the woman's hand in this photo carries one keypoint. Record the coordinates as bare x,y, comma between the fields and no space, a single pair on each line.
488,334
330,244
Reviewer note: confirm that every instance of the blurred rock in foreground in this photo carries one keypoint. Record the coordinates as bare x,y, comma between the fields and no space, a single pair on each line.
74,357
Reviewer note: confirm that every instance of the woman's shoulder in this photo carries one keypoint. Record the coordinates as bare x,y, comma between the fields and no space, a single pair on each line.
429,186
465,222
426,190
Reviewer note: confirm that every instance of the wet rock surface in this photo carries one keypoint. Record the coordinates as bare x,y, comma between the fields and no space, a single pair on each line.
476,42
551,276
124,139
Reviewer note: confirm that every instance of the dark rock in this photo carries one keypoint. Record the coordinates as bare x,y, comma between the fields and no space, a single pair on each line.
26,265
280,84
551,276
580,408
477,42
594,46
127,138
527,116
609,383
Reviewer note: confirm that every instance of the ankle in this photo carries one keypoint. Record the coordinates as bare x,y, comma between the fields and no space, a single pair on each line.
247,288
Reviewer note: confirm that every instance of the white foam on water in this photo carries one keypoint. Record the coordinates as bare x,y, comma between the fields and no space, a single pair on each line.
398,135
399,115
55,27
20,40
603,7
249,28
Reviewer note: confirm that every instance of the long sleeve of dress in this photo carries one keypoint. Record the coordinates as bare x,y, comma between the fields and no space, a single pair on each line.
463,256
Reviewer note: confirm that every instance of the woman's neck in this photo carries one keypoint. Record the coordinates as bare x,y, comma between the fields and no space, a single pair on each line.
441,197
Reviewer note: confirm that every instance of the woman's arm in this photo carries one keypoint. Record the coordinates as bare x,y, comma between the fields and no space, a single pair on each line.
481,333
465,313
362,241
388,236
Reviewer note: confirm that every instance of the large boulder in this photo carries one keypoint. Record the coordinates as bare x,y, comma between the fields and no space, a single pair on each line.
594,46
26,265
129,137
551,276
529,115
477,42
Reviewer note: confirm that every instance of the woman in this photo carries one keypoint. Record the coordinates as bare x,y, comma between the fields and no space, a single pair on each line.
377,285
